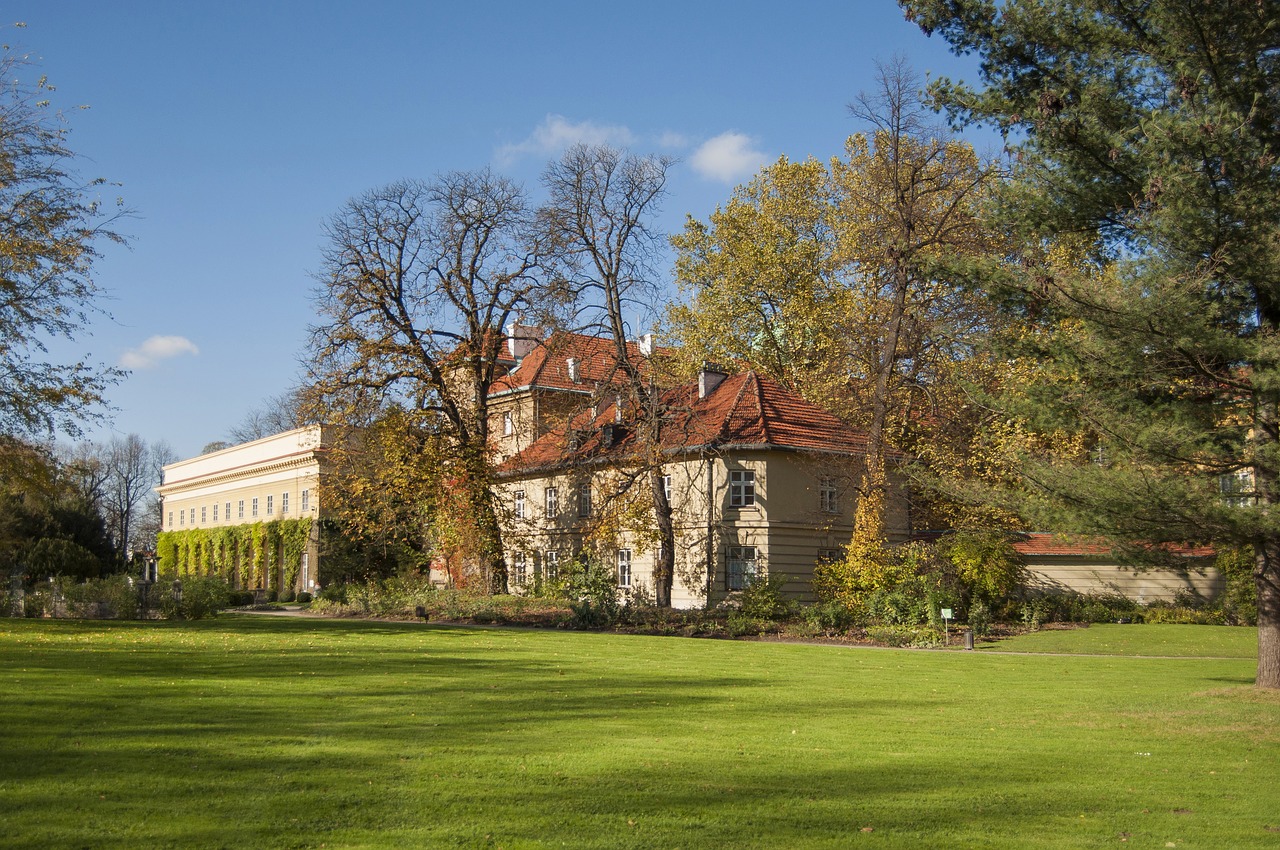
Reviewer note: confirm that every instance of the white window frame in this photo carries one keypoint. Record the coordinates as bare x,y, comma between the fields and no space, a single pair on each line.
306,501
215,511
584,500
241,511
624,568
517,507
171,519
271,501
508,424
284,503
519,567
254,508
551,564
741,565
666,488
742,488
551,498
204,514
828,497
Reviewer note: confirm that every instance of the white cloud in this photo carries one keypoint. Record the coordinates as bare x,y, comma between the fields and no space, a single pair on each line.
671,140
728,157
155,349
556,133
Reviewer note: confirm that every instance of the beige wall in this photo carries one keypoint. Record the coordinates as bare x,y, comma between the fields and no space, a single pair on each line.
1097,575
787,524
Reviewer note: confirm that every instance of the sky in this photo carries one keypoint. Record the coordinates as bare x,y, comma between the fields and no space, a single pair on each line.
235,129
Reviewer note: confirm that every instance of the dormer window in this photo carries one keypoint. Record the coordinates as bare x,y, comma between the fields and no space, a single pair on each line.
574,374
508,424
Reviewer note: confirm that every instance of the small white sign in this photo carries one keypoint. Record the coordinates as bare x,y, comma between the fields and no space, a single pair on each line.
946,613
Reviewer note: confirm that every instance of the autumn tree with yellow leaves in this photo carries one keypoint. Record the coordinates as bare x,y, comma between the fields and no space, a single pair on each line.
826,276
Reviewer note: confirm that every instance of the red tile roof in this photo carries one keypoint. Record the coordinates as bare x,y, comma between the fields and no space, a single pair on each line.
747,410
546,365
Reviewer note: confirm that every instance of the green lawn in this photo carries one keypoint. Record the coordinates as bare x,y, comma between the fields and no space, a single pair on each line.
265,732
1156,639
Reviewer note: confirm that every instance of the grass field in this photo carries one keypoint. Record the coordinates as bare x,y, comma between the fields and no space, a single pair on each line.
266,732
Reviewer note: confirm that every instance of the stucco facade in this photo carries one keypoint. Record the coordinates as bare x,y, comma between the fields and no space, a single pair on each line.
274,478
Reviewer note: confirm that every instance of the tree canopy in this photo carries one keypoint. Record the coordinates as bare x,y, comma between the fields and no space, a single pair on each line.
1146,143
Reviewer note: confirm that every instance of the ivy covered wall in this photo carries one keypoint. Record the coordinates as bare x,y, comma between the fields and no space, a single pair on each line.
254,556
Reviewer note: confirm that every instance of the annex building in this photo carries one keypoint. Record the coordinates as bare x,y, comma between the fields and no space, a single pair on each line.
271,485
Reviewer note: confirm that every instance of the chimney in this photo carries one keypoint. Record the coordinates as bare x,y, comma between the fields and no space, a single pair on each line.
521,339
710,376
645,343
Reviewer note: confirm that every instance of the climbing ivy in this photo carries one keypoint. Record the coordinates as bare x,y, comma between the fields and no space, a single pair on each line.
263,550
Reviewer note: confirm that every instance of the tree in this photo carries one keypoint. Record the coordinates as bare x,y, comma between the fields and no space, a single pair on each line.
1146,137
829,277
602,201
50,228
275,415
419,281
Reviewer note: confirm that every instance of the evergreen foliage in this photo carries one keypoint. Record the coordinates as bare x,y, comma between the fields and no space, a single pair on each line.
1146,143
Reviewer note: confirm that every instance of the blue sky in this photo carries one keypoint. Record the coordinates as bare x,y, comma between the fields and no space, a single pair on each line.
236,128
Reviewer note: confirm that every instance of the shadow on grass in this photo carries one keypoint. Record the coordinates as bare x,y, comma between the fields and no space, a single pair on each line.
243,732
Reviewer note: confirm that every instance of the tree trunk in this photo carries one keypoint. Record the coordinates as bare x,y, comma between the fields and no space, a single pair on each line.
1266,575
664,565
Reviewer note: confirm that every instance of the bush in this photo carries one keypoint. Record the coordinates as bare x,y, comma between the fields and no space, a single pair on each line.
904,636
304,597
202,596
287,596
828,618
980,619
762,599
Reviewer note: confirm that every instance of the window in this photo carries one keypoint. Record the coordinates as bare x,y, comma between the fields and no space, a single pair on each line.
828,497
270,500
519,567
1237,488
742,566
306,501
255,508
182,517
553,502
742,488
242,509
171,519
551,564
830,556
508,425
204,514
624,568
518,508
227,512
284,503
584,500
666,488
215,511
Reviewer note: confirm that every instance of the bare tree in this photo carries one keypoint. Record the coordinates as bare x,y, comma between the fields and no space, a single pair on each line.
274,415
419,280
602,203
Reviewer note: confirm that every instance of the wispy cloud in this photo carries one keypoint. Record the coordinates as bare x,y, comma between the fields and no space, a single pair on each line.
728,157
556,133
155,349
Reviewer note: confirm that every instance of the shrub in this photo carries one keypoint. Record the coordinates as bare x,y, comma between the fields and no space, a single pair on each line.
742,625
287,595
202,596
304,597
762,598
904,636
980,619
1240,598
828,618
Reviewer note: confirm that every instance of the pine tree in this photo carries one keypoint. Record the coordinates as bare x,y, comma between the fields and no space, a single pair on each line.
1146,141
